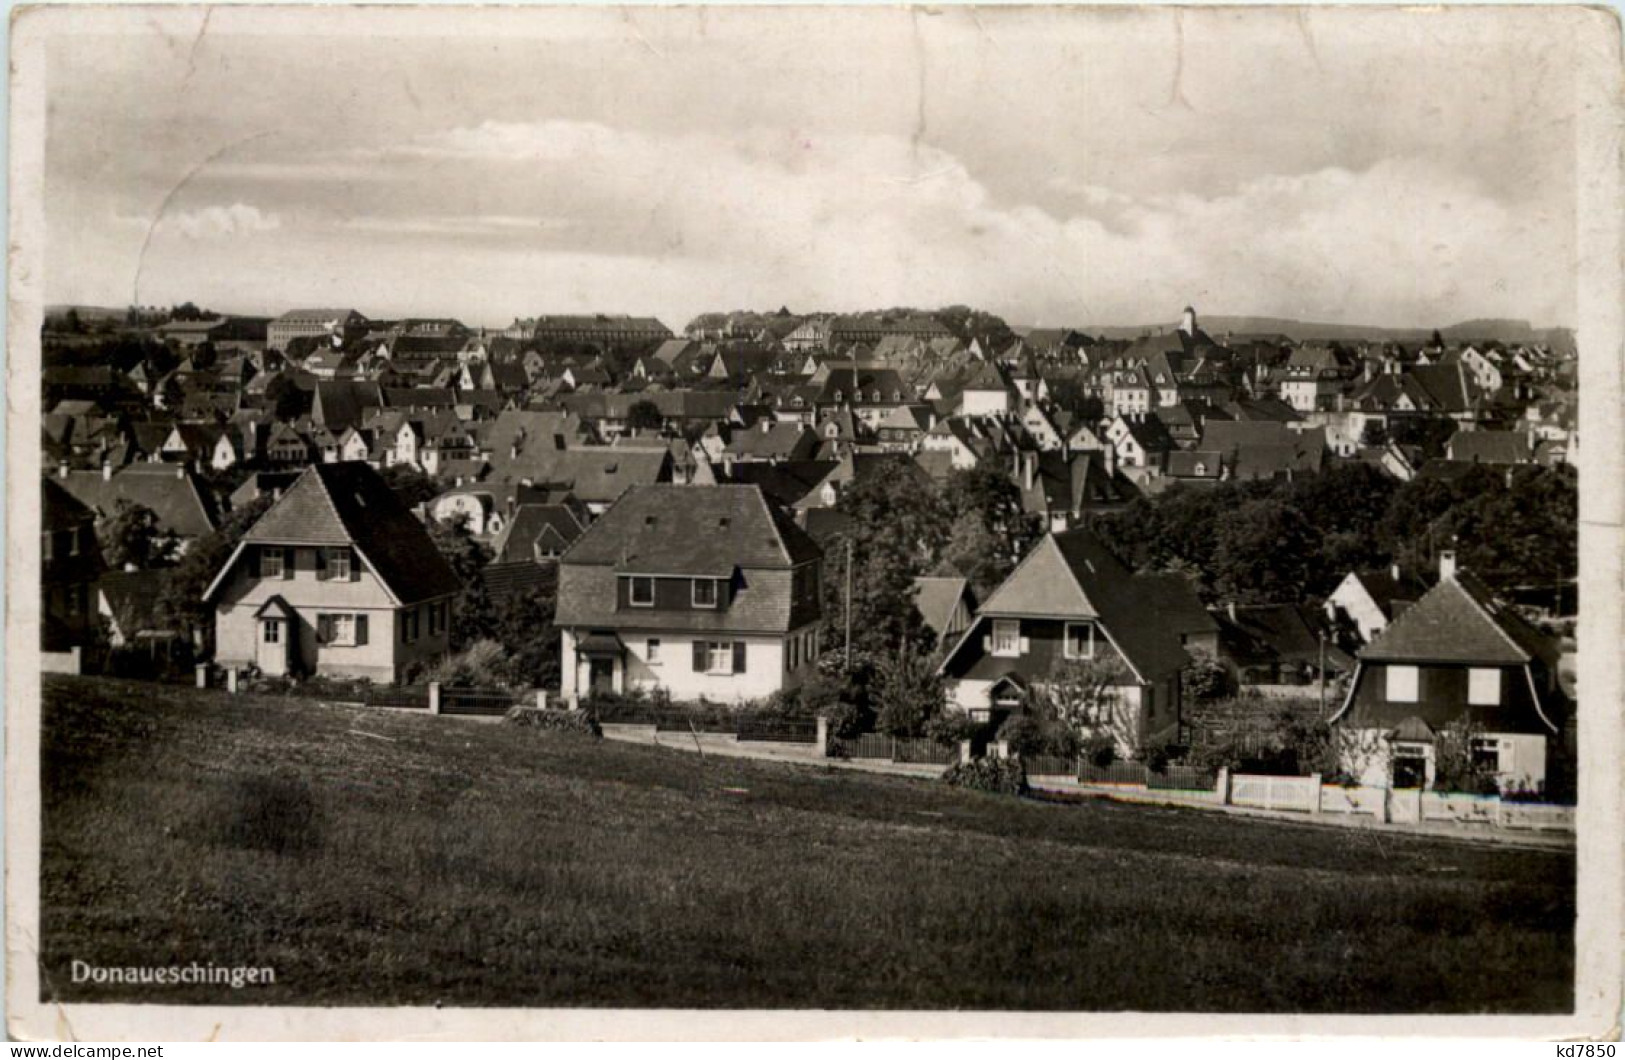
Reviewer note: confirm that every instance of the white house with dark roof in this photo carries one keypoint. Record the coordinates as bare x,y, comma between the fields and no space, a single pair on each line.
336,578
1457,653
1071,600
698,590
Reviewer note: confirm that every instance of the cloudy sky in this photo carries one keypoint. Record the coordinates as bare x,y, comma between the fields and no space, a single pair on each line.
1053,166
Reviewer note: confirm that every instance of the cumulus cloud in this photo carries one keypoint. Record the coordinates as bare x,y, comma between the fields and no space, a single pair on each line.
851,220
220,222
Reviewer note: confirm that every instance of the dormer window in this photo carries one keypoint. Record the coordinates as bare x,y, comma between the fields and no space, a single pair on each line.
642,592
705,592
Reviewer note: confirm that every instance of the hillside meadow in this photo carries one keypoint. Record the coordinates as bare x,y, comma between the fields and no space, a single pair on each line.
378,858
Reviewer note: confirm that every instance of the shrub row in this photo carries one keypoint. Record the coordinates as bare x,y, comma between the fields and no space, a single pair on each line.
1001,776
576,721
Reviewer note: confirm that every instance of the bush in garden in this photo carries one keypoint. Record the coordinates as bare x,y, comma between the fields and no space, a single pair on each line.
571,721
1000,776
951,727
1100,749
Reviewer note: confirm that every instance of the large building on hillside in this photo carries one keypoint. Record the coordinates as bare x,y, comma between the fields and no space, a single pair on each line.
347,324
697,590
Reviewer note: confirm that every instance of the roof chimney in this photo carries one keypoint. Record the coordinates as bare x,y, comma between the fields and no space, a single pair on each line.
1393,571
107,470
1029,468
1230,609
1447,564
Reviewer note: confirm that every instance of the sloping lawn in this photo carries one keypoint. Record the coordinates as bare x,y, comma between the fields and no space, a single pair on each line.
481,864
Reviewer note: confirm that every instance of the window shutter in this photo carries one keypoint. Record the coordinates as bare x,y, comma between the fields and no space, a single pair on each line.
360,629
355,565
288,556
1026,645
699,656
324,629
321,564
739,656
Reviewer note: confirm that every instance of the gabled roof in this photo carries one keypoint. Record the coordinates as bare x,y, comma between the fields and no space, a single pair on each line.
1073,575
670,529
936,597
175,494
1489,447
348,503
1460,621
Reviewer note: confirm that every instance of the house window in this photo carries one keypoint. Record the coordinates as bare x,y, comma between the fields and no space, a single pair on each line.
643,592
434,619
719,657
1487,753
795,645
1484,687
1006,637
1403,684
651,651
338,564
705,592
338,630
1080,640
409,626
270,563
272,631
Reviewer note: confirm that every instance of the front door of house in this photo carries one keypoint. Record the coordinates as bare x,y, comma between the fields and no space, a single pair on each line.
271,650
601,675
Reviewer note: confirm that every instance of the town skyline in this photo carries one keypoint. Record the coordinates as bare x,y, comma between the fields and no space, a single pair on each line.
1142,160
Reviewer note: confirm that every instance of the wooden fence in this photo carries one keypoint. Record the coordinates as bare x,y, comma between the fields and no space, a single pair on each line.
1275,793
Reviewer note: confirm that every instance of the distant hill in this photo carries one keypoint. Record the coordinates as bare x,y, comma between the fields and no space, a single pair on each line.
1305,331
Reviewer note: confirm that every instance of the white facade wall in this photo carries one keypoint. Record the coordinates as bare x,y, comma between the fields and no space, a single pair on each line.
767,665
984,403
1367,755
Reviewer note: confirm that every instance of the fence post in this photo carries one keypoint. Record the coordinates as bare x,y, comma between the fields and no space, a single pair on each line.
541,699
823,736
76,653
1222,785
964,752
1316,778
203,675
434,697
231,679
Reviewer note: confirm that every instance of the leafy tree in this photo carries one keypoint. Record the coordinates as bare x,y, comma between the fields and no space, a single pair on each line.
1085,695
71,322
180,602
1205,679
908,692
473,617
645,416
1374,433
524,628
412,485
896,529
1264,553
967,323
990,531
134,537
1454,766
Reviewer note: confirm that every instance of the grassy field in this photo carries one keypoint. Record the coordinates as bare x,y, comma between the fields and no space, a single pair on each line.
480,864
